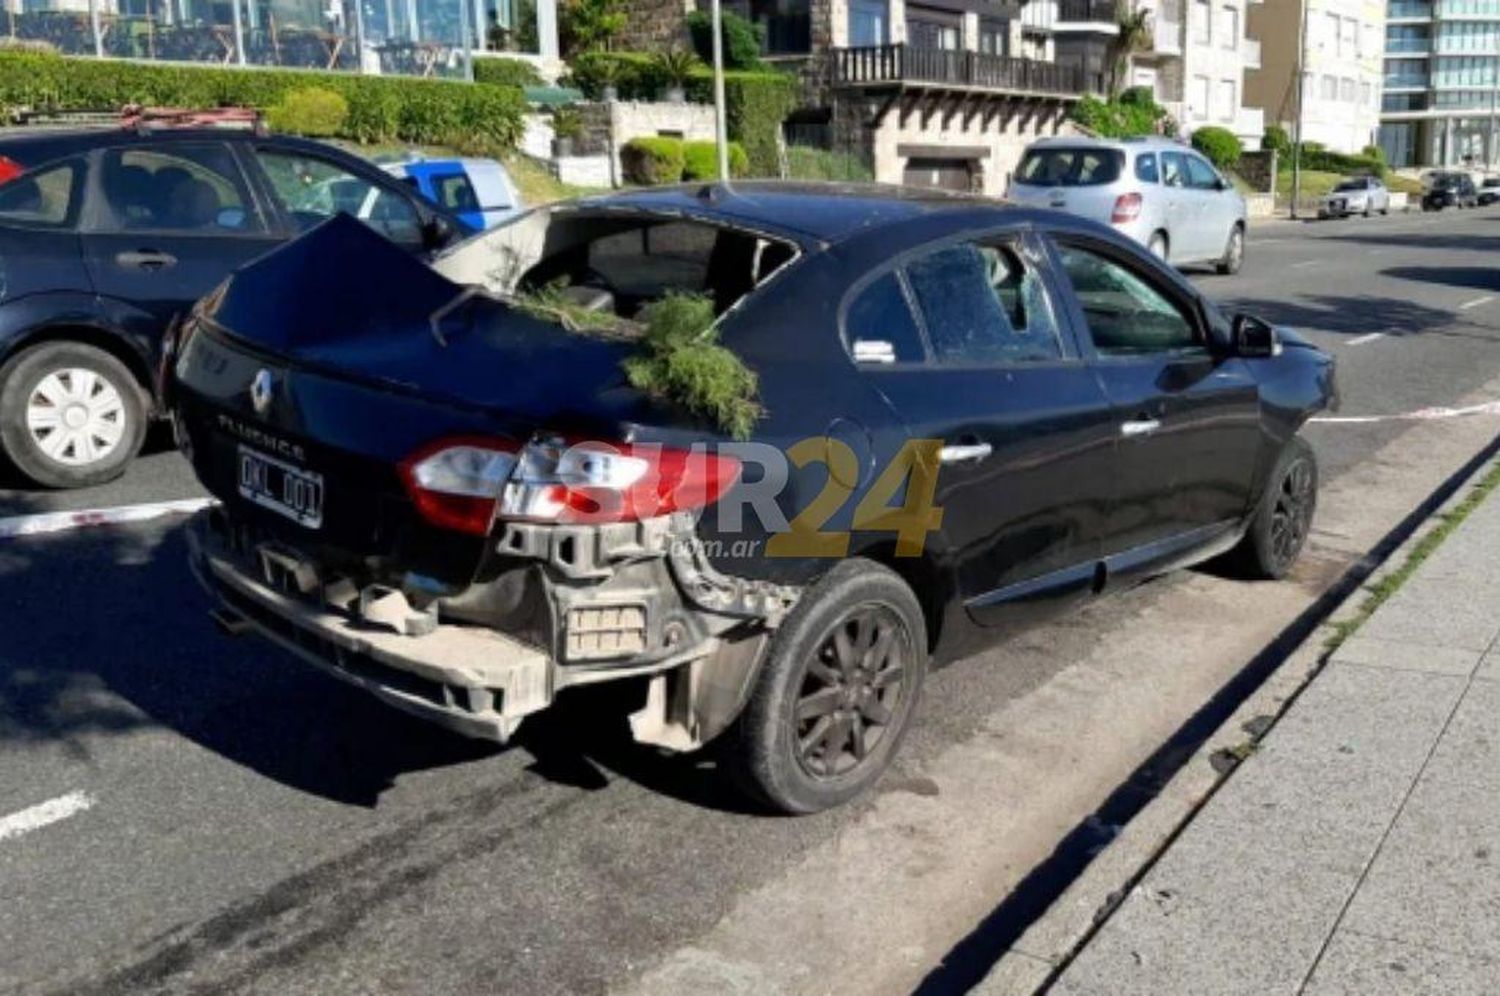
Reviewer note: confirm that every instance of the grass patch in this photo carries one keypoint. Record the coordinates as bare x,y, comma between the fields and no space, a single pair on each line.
537,185
1316,183
1381,591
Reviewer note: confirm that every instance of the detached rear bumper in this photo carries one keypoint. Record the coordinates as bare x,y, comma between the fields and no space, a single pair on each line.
470,679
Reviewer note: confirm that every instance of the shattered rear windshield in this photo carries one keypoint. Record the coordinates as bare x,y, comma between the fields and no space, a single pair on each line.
1070,167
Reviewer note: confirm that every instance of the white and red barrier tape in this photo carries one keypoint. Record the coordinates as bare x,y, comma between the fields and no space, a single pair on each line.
57,522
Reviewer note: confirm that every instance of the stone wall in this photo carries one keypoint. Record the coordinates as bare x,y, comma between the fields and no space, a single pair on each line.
652,25
1258,169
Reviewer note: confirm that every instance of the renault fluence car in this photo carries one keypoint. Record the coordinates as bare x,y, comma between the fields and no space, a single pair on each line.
1156,191
466,503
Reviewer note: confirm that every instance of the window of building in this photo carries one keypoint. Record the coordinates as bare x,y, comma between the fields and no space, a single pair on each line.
1330,39
869,23
1330,88
1202,22
1199,102
1349,38
994,36
1229,27
1366,94
933,29
1346,90
1228,104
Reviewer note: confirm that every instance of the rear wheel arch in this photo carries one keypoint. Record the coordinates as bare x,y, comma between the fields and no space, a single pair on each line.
926,578
100,339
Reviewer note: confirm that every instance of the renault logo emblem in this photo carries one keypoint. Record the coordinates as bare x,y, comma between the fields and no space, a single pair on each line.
261,390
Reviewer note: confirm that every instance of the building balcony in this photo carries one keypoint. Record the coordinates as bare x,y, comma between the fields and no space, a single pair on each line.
931,68
1100,16
1408,10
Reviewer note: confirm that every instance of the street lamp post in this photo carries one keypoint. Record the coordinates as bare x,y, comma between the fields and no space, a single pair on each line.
721,132
1301,84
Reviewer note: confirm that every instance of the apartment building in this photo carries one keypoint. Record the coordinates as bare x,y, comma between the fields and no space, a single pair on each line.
1341,78
1195,61
944,93
1442,83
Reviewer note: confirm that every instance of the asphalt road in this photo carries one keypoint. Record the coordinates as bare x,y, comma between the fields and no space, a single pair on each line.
236,822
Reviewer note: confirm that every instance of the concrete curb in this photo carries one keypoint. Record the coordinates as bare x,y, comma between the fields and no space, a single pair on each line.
1051,942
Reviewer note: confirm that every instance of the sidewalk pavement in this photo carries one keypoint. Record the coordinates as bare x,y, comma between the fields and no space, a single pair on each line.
1357,851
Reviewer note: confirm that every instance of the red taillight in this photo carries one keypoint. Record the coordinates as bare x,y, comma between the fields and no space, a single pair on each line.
10,169
591,482
463,484
1127,208
456,483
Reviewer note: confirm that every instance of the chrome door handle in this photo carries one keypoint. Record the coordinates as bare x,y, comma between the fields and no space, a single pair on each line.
1140,427
962,452
146,259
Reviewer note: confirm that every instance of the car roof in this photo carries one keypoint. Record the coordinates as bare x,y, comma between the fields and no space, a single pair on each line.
34,146
826,212
1143,143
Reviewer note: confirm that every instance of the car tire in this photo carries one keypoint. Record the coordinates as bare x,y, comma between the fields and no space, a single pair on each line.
1283,517
820,685
1158,246
1234,252
80,392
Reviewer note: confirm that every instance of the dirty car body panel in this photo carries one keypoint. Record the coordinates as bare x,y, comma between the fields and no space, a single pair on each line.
313,414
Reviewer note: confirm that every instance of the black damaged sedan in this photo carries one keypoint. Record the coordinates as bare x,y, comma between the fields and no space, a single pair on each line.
965,414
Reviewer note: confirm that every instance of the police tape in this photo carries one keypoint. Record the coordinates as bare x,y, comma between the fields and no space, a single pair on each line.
40,523
1420,415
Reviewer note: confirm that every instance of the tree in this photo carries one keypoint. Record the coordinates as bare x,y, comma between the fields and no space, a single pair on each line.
1134,36
589,25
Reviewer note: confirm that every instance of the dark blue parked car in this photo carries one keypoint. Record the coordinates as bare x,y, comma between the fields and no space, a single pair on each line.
464,503
108,235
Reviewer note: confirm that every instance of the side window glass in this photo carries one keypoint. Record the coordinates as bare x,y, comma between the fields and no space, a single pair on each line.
176,188
1126,315
1145,167
45,198
1173,171
983,304
455,192
1201,175
879,327
311,190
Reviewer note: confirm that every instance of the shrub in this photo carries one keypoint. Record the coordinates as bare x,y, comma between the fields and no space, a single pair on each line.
311,111
743,39
652,160
587,25
701,160
808,163
675,65
755,105
1134,112
634,74
506,72
1220,145
682,361
1277,140
479,119
1317,157
567,123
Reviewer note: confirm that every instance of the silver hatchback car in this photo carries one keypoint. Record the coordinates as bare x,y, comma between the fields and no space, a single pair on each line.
1158,191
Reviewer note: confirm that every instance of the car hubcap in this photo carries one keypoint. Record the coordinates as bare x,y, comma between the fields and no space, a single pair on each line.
75,417
852,692
1293,513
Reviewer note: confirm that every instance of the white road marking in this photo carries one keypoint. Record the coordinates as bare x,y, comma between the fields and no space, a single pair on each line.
1486,299
44,813
1361,340
1420,415
1307,262
57,522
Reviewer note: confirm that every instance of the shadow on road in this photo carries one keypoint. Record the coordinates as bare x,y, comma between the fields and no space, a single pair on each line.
1479,277
1347,315
106,634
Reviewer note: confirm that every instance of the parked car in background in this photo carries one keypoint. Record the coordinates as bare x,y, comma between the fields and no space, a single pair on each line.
479,191
1489,191
108,235
1156,191
1454,190
1359,195
457,500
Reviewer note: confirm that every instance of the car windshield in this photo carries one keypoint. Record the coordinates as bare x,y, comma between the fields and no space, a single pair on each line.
1063,167
1351,185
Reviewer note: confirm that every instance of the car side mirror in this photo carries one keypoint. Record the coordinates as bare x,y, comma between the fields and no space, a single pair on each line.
438,232
1254,338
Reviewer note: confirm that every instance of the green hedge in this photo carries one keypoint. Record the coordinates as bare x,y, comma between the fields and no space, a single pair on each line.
506,72
1220,145
653,160
755,103
381,108
1316,157
700,160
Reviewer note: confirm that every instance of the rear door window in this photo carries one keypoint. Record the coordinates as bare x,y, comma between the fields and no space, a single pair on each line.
1173,169
1201,175
180,187
1064,167
1145,167
46,198
983,304
879,326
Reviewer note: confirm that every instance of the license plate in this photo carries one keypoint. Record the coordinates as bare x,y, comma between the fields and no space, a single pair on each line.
281,487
